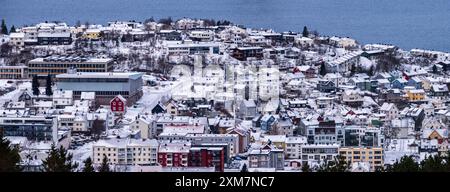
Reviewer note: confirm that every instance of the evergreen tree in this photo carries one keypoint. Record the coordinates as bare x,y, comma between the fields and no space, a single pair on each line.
98,126
35,85
435,69
59,160
352,70
370,72
4,29
104,167
48,86
88,165
305,32
433,163
447,162
406,164
323,70
12,30
306,168
244,168
9,156
339,164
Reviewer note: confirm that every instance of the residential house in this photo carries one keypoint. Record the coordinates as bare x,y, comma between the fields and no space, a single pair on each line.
266,157
415,95
390,110
416,82
439,91
352,98
268,122
326,86
159,108
243,136
145,125
247,109
399,83
118,104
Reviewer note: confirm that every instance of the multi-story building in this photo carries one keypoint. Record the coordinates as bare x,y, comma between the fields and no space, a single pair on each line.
362,136
35,128
266,157
77,123
55,65
105,85
17,39
201,35
268,83
62,98
243,53
316,154
173,121
126,151
415,95
343,64
13,72
326,131
207,157
231,141
144,124
54,38
174,154
193,48
372,155
352,98
294,147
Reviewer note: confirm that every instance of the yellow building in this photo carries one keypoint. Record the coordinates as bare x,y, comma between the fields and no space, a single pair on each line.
92,34
416,95
373,155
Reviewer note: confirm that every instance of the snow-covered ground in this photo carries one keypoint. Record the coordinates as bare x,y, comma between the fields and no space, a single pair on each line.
14,95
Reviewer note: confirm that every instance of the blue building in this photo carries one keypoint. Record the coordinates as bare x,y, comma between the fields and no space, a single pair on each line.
415,82
267,122
399,83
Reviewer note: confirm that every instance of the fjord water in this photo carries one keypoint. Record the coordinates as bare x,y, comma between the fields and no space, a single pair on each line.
406,23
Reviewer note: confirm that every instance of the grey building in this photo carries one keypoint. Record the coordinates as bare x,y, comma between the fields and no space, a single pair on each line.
266,157
105,85
35,128
247,109
326,86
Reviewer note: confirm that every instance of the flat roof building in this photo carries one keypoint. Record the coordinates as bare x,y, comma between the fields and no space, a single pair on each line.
13,72
105,85
57,64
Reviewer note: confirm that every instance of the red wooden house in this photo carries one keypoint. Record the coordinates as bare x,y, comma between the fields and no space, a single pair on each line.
118,104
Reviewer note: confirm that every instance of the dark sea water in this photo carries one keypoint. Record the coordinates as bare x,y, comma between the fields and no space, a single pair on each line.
406,23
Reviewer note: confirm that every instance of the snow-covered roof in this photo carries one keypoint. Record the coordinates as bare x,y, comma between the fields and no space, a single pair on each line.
174,147
123,75
17,35
55,34
123,143
387,107
87,95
